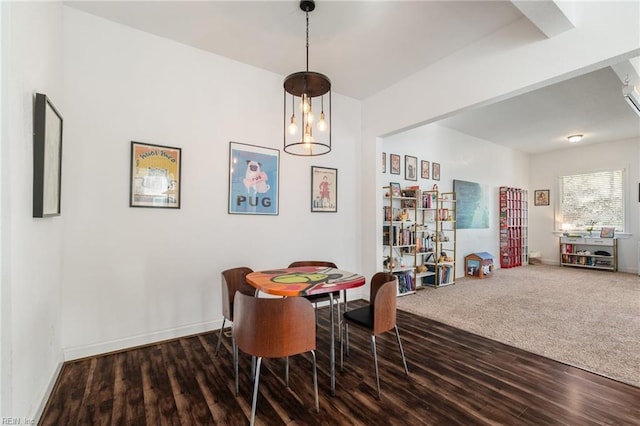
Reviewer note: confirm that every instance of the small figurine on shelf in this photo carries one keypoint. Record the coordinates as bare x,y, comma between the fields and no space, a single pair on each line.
387,263
444,257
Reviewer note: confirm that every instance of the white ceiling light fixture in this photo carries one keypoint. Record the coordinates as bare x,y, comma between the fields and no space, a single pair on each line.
632,96
575,138
309,89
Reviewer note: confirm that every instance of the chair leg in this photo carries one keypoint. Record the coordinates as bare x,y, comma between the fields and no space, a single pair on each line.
235,363
220,335
346,335
343,324
286,371
256,382
315,380
375,362
404,360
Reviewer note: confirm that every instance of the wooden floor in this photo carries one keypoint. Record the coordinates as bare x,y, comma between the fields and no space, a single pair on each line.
455,378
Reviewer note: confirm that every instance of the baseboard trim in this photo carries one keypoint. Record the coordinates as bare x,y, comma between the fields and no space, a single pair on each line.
83,351
53,380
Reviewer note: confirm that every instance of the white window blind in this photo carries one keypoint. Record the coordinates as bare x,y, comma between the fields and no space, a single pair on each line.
595,199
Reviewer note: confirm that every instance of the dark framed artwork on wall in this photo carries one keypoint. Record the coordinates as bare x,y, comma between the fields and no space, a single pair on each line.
541,197
155,176
324,189
395,164
410,168
47,157
424,166
253,179
435,173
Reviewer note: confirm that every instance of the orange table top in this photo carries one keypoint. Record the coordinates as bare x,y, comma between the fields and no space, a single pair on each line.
304,280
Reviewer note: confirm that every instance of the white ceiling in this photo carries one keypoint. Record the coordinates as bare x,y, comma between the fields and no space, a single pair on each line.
366,46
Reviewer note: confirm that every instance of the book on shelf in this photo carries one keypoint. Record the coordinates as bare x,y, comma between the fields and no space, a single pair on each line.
405,281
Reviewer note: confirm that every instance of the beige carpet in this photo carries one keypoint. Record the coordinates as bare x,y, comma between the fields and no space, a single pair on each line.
586,318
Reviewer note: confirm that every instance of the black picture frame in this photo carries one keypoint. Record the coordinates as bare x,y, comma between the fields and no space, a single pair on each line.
424,167
324,189
541,197
47,157
435,172
394,164
410,167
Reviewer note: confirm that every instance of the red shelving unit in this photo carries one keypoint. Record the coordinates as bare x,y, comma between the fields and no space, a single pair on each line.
514,223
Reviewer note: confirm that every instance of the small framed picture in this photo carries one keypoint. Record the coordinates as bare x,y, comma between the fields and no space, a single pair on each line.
395,164
607,232
425,169
324,189
435,175
384,162
541,197
410,168
155,176
395,189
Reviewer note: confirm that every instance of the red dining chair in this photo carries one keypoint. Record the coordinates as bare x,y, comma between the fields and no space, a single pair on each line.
232,280
377,317
273,328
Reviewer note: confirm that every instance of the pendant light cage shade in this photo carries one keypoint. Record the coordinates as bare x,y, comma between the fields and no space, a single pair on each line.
307,107
307,114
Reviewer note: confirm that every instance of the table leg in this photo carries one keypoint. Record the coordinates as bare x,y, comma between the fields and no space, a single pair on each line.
332,350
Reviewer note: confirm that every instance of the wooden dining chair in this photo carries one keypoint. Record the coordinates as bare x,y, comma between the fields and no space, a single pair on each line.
232,280
273,328
378,317
316,298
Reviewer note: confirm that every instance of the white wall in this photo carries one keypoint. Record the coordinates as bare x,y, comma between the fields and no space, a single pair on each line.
513,60
31,248
584,159
130,276
135,275
461,157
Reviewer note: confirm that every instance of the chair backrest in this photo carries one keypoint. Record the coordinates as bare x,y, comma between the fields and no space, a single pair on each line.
313,263
274,328
383,297
234,280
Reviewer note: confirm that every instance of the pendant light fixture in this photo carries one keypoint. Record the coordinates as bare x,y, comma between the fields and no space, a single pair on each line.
307,115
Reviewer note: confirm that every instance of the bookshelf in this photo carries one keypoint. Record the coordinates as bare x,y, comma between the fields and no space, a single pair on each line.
399,238
514,226
437,224
589,253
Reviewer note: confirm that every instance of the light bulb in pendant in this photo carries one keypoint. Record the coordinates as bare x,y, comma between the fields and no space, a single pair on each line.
293,128
307,134
310,117
322,125
304,104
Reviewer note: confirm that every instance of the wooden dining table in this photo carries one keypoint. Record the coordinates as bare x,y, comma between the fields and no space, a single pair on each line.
308,281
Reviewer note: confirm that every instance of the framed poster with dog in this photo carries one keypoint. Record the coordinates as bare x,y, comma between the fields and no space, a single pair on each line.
253,179
324,189
155,176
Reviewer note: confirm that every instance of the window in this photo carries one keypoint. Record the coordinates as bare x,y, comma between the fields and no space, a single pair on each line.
593,200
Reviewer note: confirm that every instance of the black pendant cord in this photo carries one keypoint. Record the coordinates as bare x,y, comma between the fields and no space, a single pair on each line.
307,13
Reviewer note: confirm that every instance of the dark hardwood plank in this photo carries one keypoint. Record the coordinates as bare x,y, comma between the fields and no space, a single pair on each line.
455,377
